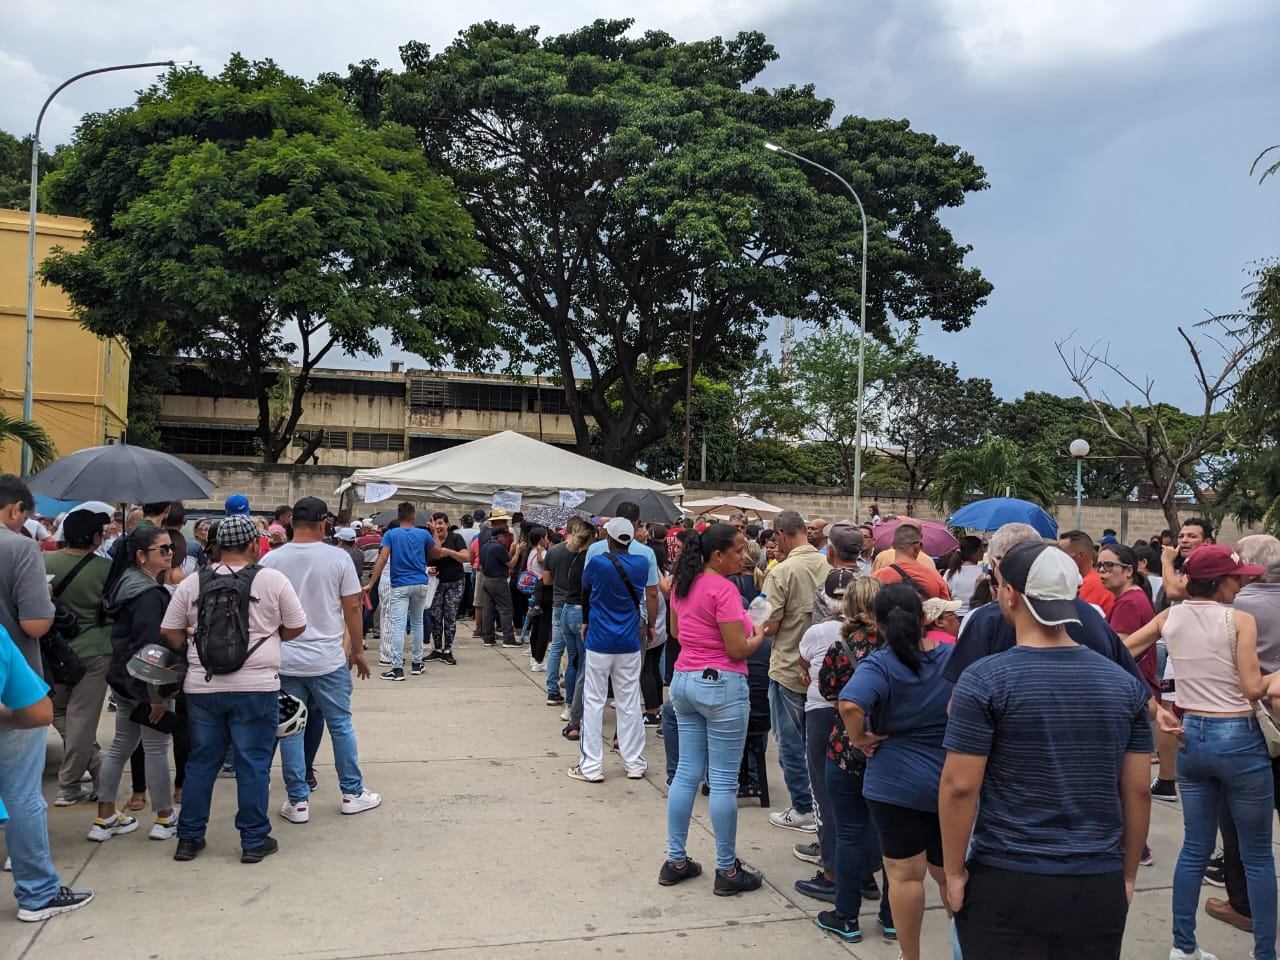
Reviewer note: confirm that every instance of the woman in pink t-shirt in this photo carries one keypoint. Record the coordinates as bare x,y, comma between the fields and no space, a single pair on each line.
711,700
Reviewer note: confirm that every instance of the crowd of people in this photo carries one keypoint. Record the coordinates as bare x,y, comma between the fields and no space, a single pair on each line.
985,720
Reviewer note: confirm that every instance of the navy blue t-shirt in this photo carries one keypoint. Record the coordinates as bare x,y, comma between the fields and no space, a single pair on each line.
494,559
912,711
1054,724
613,618
985,632
409,546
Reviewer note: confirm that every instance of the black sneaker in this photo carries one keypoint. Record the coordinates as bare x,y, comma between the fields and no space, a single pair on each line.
188,849
1215,874
846,928
870,889
434,655
513,643
447,657
555,699
64,901
670,874
1166,790
312,782
490,643
418,668
741,880
818,887
260,852
395,673
651,721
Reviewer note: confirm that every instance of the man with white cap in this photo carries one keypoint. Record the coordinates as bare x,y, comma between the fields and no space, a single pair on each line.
1056,742
612,592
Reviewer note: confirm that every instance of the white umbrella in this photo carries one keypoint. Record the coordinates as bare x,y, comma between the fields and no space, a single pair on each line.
738,503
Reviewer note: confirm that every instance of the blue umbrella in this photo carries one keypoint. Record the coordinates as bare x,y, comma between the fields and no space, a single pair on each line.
989,515
49,507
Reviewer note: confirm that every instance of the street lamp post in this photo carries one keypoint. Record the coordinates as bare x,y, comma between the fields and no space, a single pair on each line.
27,390
862,309
1079,449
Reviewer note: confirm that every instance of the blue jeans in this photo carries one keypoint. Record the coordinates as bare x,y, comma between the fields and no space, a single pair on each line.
555,653
332,693
26,835
574,648
248,722
712,717
857,843
1224,760
406,605
786,708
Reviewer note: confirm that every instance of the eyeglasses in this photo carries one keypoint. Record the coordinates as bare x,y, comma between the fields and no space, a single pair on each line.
165,549
1106,566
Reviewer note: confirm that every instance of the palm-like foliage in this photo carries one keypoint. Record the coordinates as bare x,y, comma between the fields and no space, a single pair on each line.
998,468
32,434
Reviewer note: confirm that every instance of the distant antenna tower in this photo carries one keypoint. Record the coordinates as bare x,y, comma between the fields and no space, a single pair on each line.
788,341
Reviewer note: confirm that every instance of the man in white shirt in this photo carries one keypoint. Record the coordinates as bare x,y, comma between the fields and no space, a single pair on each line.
316,667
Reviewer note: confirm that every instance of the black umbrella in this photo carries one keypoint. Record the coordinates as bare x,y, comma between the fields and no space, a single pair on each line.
119,473
385,518
654,507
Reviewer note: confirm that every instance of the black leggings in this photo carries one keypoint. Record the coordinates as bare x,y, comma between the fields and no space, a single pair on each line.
651,679
540,627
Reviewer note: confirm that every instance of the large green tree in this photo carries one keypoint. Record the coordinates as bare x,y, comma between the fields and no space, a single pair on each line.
252,218
611,176
15,174
997,468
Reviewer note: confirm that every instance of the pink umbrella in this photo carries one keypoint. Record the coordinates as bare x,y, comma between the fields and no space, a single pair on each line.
938,540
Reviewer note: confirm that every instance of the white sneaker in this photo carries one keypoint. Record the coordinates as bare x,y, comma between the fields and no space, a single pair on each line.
295,812
790,820
1197,954
352,803
8,865
635,774
565,715
117,825
165,828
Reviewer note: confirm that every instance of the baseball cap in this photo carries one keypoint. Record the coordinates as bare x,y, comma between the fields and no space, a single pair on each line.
837,583
236,532
845,535
357,524
1047,578
620,529
81,523
237,505
310,510
1215,560
345,533
477,514
935,607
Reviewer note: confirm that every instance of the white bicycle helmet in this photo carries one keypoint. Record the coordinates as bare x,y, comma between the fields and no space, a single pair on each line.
293,716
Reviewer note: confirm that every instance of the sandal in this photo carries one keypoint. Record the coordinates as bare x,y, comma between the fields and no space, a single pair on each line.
570,732
136,802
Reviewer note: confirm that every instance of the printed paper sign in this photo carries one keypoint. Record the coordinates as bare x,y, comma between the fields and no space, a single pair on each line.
377,492
508,500
571,498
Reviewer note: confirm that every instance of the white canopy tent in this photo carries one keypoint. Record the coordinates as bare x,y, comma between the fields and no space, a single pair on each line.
737,503
473,472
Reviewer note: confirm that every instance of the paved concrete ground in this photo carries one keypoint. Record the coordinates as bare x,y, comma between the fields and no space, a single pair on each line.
483,848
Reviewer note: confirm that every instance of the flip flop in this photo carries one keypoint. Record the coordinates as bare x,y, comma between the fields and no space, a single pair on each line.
136,802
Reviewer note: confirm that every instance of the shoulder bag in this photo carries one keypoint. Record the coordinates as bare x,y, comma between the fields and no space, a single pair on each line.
1270,729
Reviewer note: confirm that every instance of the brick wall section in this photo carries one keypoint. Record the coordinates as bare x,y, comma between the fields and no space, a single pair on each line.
267,485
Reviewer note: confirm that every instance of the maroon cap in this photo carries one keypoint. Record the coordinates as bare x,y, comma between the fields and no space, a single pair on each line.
1213,560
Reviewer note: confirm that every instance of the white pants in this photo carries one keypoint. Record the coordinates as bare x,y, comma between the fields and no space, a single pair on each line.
624,670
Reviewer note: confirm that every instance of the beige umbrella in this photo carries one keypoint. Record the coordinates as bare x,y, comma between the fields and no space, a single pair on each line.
738,503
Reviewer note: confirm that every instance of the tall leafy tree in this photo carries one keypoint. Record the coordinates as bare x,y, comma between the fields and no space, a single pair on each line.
15,174
610,176
997,468
19,431
251,218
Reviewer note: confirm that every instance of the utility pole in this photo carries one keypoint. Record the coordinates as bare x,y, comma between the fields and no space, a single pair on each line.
688,395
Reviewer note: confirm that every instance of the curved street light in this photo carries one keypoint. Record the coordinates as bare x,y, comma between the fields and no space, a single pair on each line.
862,309
27,390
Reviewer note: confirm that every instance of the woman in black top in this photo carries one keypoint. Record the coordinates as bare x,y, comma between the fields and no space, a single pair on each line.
451,578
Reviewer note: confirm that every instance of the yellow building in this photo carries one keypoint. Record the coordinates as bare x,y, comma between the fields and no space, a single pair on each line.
81,388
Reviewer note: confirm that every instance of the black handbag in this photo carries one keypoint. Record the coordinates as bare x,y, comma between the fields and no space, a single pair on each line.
61,664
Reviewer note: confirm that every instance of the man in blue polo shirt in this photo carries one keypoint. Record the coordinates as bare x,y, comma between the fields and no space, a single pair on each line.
407,547
1056,742
611,626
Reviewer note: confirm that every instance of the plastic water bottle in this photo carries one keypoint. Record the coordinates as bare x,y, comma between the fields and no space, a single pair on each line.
760,610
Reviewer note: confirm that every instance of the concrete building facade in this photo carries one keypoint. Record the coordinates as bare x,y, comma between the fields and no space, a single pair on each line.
80,389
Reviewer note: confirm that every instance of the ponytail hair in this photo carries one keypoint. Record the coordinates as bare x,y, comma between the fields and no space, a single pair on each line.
127,548
858,609
1128,558
697,552
901,617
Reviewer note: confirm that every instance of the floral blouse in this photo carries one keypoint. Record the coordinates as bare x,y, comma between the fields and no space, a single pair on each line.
838,666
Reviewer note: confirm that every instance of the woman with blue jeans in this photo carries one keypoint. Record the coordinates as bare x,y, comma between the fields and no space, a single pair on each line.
712,703
1222,757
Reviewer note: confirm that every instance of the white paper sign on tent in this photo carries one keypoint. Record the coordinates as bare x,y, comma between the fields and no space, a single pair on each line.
571,498
508,500
377,492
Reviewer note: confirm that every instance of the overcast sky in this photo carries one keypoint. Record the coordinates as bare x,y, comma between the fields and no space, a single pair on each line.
1117,137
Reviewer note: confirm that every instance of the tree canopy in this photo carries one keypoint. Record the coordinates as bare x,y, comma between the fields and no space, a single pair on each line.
251,217
612,176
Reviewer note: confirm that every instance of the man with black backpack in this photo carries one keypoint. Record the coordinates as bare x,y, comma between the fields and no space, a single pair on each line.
240,613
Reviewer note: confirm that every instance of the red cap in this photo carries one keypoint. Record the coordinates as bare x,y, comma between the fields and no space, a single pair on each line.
1213,560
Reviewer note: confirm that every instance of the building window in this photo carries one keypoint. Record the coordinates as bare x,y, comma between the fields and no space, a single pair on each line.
377,442
208,441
